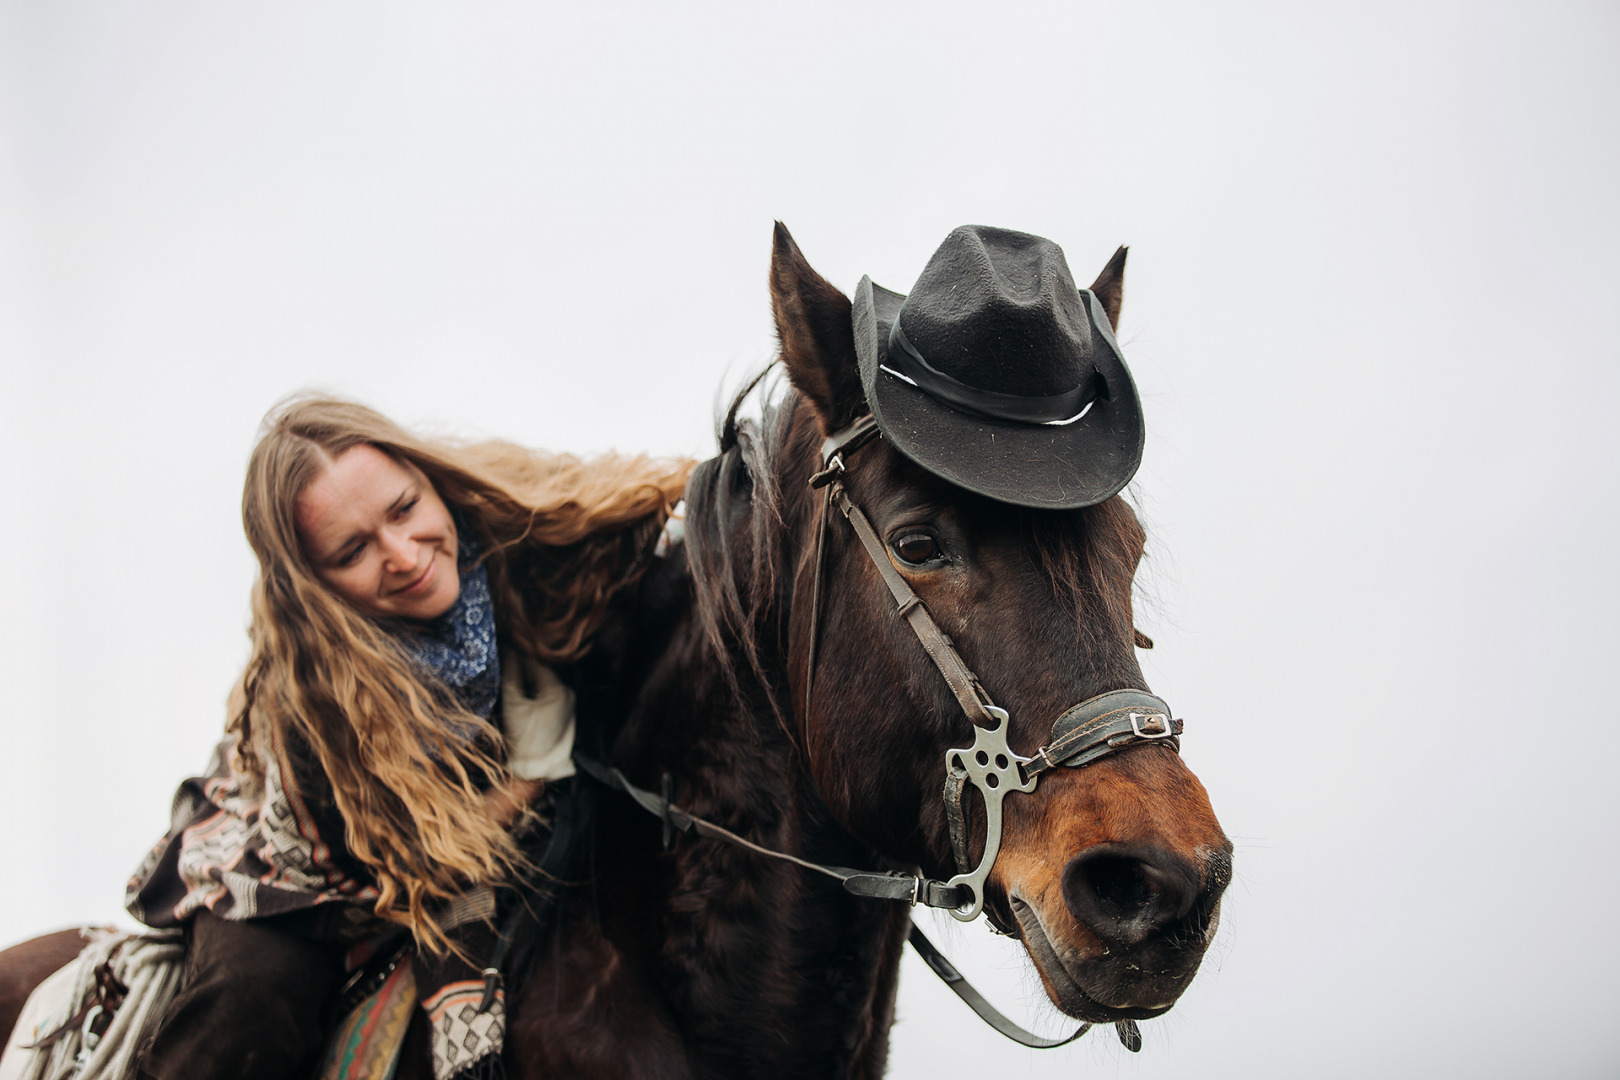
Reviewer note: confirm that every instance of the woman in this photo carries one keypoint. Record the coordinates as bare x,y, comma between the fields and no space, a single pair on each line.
396,719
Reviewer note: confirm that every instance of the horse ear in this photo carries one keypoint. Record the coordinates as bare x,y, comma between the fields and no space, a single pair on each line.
1110,287
818,340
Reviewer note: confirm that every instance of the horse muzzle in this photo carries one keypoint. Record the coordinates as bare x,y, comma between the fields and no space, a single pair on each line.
1125,931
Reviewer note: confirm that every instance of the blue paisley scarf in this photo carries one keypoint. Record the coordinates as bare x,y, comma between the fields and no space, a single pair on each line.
459,646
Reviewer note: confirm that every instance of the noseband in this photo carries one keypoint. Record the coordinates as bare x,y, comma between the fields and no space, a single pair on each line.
1084,733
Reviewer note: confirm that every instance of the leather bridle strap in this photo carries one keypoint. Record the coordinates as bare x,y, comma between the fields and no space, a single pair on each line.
987,1012
1104,725
833,449
959,677
872,884
909,606
876,885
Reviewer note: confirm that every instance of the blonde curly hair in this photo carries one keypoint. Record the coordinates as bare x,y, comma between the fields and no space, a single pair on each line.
561,536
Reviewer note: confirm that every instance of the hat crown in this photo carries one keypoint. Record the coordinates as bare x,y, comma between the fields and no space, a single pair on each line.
997,375
998,310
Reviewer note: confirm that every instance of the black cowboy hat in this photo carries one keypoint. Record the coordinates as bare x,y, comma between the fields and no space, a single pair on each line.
999,375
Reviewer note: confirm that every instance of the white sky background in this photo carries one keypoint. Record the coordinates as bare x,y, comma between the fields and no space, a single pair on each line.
1370,306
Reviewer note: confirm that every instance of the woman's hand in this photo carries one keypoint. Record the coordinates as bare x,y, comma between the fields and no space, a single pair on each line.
506,804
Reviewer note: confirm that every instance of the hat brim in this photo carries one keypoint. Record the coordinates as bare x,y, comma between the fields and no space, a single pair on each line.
1048,466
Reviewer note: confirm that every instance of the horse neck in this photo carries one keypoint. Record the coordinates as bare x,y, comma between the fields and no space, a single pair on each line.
774,968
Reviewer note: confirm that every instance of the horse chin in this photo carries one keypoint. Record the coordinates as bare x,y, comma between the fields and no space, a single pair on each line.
1094,985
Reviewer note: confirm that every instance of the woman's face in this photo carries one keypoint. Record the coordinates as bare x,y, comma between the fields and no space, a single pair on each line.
378,534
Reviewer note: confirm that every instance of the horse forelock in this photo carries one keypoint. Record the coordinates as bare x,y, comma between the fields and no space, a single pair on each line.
1090,557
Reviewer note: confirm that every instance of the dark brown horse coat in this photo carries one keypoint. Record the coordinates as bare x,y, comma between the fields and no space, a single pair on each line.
709,961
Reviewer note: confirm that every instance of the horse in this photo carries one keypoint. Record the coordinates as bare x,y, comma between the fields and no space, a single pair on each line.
765,685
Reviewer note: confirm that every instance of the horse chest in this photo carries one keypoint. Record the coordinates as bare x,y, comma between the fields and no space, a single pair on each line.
714,966
779,976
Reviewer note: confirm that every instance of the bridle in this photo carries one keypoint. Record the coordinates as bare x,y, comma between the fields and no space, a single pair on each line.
1082,734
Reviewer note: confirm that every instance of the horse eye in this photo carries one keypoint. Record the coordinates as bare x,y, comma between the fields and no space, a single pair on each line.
917,548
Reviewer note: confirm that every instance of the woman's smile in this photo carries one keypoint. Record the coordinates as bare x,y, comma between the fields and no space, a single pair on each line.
422,583
380,536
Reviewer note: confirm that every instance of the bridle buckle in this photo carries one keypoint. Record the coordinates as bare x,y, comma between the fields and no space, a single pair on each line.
1163,729
834,469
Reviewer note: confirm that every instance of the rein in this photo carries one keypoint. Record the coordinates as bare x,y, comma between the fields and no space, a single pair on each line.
1082,734
873,884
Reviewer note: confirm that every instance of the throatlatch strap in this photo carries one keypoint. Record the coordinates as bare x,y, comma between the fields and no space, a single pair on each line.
833,449
815,603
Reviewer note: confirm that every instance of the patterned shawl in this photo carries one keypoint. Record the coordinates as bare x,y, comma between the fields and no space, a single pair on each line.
246,850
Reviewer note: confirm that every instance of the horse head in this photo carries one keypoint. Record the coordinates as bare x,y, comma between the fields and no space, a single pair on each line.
1110,874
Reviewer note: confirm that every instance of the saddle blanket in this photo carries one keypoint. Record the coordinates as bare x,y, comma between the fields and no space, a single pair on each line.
365,1046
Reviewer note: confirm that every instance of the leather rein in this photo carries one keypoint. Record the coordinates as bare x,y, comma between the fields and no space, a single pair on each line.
1082,734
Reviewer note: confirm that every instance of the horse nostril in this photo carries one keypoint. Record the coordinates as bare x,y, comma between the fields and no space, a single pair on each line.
1124,894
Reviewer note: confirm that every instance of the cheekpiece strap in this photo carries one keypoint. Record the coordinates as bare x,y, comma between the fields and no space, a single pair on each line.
909,606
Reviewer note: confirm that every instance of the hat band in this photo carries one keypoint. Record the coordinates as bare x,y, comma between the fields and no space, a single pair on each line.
1020,408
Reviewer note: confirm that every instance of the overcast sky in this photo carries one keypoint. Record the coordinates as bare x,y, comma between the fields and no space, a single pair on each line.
1370,306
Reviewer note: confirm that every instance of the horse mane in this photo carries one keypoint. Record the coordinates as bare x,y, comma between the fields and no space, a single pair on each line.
736,530
737,514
